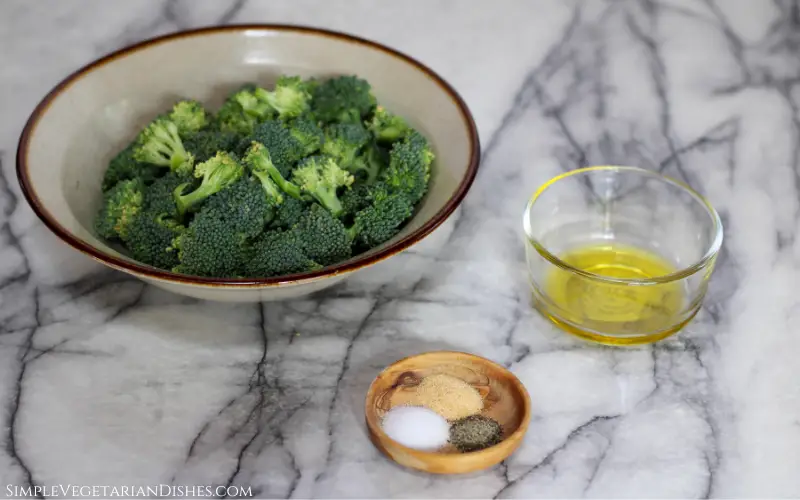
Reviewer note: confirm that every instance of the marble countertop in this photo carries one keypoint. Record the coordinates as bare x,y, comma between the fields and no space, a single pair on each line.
106,381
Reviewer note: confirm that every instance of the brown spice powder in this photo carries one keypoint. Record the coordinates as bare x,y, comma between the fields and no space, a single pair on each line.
448,396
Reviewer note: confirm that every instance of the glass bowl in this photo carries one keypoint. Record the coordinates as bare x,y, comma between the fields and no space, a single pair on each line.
619,255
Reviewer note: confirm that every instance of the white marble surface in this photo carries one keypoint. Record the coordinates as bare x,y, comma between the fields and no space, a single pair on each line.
106,381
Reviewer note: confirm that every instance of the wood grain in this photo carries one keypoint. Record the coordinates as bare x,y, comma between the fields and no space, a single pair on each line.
504,400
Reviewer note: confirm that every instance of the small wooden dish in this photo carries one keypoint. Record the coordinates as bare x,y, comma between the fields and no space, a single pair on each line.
505,400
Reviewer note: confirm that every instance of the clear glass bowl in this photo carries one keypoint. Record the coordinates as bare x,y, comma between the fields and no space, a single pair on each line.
619,255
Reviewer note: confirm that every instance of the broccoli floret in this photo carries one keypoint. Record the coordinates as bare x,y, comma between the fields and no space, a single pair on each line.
277,253
368,166
231,117
387,127
150,239
362,195
308,134
217,173
409,167
160,144
210,246
379,222
253,104
189,116
355,199
283,148
322,237
320,177
121,205
207,143
288,213
421,145
259,159
159,198
346,99
243,203
343,142
290,98
123,167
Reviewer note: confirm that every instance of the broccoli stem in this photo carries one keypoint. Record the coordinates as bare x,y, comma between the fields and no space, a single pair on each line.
269,186
288,187
176,162
185,202
329,200
263,164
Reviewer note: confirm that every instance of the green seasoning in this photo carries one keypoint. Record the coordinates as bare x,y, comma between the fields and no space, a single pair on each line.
474,433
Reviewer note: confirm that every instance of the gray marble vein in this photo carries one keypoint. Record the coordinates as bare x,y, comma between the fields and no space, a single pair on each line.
105,380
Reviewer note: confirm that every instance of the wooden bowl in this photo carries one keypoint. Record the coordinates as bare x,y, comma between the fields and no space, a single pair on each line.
505,400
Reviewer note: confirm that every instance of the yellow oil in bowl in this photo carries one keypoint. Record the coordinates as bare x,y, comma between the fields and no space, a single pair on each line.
634,312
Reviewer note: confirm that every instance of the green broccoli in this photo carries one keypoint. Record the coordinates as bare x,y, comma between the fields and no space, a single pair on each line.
207,143
276,182
421,144
288,213
121,205
307,134
253,104
277,253
150,239
380,221
320,177
387,127
361,195
210,246
409,167
343,142
368,166
290,98
160,144
231,117
322,237
283,148
243,203
159,196
189,116
123,167
217,173
355,199
271,191
259,159
346,99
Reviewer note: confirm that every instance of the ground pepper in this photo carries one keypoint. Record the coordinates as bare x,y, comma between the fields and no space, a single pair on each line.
474,433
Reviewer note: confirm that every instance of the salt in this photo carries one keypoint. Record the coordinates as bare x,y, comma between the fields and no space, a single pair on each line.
416,427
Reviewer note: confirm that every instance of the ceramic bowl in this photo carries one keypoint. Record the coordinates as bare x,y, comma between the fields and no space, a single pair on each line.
505,400
75,130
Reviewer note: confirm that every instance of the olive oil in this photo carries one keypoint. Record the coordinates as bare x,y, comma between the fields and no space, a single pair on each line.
635,312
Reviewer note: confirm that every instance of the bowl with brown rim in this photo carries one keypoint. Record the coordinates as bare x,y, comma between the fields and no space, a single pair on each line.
94,112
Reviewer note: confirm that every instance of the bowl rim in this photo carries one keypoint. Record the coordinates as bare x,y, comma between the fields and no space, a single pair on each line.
708,258
353,264
508,444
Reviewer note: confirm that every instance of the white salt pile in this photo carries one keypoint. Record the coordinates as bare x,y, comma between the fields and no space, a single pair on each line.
416,427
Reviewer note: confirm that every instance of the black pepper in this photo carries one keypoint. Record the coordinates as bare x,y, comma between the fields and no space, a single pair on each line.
474,433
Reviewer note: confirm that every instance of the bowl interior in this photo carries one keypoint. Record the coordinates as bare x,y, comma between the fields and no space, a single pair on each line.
98,112
504,399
